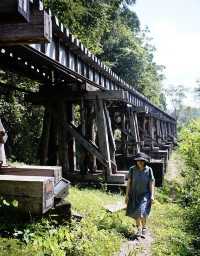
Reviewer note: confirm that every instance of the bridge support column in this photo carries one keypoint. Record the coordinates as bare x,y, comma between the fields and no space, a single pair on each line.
44,143
69,110
135,130
103,139
88,125
124,137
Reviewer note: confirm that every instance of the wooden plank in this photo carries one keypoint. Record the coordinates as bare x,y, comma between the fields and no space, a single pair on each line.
35,195
117,95
77,176
116,178
38,30
32,170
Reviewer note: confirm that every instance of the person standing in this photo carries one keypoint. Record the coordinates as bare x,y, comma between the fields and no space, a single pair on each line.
140,192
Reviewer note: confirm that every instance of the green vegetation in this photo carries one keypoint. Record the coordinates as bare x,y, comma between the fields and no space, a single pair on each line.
167,224
98,233
21,119
111,30
190,150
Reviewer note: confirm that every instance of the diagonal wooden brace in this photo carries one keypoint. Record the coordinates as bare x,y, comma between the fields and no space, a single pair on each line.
89,146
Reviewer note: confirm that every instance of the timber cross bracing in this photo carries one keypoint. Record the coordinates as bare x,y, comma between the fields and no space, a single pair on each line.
69,71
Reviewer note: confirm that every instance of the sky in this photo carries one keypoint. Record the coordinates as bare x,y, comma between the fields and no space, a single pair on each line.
175,28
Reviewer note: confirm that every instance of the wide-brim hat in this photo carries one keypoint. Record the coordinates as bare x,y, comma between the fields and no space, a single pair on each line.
141,157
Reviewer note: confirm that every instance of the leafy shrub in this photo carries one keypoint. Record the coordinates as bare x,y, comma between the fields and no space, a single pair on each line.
190,150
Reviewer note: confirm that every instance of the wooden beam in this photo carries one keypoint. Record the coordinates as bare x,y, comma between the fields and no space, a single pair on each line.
103,134
110,131
38,30
44,143
135,129
89,146
118,95
12,11
63,150
90,131
111,140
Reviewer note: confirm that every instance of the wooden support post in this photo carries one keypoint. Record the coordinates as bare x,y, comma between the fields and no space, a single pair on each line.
152,130
62,138
71,143
135,130
103,135
162,130
141,126
44,144
53,139
83,117
111,140
171,130
165,129
91,134
158,132
83,154
124,137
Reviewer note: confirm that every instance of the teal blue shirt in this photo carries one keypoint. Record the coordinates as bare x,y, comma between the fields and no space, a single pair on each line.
140,180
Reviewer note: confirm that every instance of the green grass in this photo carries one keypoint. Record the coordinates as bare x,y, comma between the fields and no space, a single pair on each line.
99,233
168,225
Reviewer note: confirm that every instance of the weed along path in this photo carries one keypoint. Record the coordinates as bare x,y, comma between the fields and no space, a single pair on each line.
166,231
101,231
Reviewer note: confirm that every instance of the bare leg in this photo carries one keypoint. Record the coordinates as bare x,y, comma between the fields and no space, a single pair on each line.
139,223
144,221
144,230
139,227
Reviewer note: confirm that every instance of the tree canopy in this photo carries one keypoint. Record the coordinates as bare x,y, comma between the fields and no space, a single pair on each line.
111,30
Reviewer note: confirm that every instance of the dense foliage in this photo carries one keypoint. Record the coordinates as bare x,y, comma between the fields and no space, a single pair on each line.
111,30
22,120
190,149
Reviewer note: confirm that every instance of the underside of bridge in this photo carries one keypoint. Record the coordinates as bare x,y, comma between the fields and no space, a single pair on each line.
114,120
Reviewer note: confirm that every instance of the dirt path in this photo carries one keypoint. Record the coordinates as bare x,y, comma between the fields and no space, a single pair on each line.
139,247
174,168
142,247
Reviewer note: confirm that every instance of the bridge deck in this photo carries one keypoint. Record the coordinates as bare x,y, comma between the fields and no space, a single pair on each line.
70,74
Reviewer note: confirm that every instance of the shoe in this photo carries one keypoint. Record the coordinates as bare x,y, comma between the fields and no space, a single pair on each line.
138,233
144,232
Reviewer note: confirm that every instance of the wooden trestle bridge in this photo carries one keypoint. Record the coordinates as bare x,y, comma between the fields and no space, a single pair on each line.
116,121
